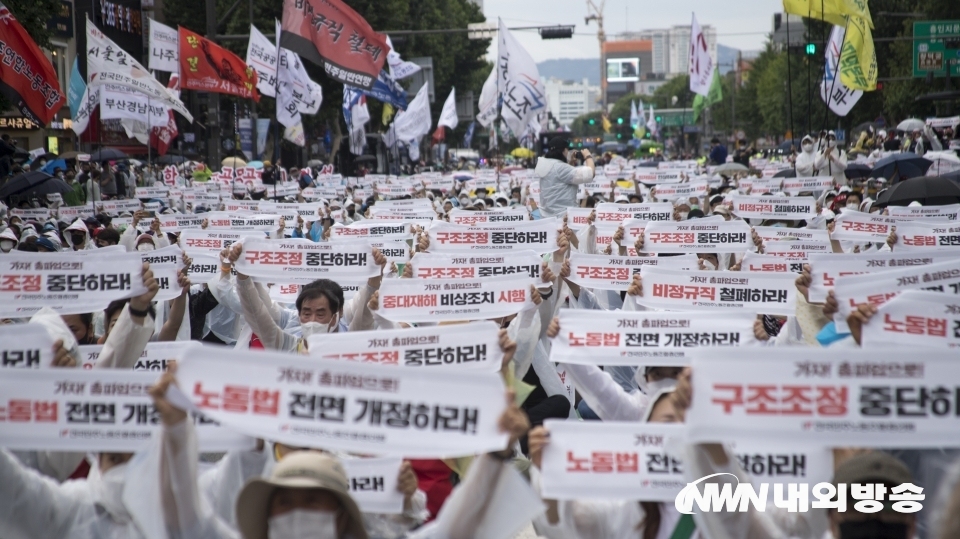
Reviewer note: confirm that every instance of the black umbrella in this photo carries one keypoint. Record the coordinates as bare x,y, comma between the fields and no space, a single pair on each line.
788,173
36,182
108,154
952,176
787,145
929,191
900,166
171,159
857,171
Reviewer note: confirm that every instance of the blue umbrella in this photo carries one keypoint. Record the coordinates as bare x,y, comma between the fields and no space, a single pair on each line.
58,163
900,166
255,164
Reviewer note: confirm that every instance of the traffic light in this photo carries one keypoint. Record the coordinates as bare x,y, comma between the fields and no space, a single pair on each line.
811,49
592,121
619,121
659,119
556,32
619,135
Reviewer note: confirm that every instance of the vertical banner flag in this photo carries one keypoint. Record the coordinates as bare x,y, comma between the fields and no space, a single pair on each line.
164,52
488,100
331,34
208,67
262,57
858,58
414,122
77,90
448,116
399,69
107,63
701,64
521,93
27,78
834,92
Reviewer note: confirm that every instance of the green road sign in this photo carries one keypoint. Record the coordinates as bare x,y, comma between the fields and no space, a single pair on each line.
936,46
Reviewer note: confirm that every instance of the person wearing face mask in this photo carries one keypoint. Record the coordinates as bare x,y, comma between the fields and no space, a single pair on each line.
708,261
806,160
77,237
559,180
832,161
8,240
133,240
81,325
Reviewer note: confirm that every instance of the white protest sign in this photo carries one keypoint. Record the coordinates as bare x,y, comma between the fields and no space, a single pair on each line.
164,48
279,260
578,218
915,319
25,346
52,279
155,356
853,290
152,192
195,242
949,212
806,184
759,186
412,204
618,213
373,484
765,207
32,214
612,272
205,267
826,268
645,337
759,293
651,176
369,229
862,227
794,249
472,346
674,191
393,214
472,265
175,222
611,460
90,410
777,233
436,300
69,214
116,207
711,235
470,218
539,236
834,397
344,406
397,252
921,236
290,212
753,262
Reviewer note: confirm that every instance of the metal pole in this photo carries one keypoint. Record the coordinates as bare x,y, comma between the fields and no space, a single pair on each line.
213,99
253,106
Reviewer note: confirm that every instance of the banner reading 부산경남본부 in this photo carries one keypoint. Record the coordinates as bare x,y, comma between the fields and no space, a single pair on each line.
344,406
645,337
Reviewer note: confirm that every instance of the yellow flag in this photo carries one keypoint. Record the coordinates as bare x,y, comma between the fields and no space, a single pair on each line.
858,58
606,124
832,11
387,114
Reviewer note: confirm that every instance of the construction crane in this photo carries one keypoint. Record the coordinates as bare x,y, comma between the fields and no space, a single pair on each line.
596,14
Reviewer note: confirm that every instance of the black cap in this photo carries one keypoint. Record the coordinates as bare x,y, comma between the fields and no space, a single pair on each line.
558,143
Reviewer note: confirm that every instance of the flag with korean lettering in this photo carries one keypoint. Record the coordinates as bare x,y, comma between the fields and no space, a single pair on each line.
612,460
262,57
710,235
833,91
759,293
331,34
164,51
208,67
834,398
276,261
645,337
539,236
923,236
766,207
345,406
27,78
91,410
915,318
68,283
522,94
473,346
437,300
25,346
470,266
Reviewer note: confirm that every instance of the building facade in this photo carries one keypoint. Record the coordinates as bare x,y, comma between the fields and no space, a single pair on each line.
567,100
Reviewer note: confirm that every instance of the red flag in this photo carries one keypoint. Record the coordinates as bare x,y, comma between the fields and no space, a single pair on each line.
208,67
26,77
162,136
439,135
331,34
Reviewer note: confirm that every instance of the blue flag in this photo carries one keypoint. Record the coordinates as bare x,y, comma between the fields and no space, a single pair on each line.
76,90
468,137
386,90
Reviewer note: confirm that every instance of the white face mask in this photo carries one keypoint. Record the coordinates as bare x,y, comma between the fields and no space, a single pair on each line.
683,215
316,328
303,524
808,147
852,206
709,265
651,388
832,144
146,247
6,246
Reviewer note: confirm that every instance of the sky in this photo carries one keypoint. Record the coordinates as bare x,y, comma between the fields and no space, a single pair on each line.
742,24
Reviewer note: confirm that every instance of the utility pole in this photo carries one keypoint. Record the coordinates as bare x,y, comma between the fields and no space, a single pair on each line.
596,14
213,98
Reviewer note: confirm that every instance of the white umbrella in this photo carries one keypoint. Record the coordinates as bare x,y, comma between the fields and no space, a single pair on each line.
911,124
943,163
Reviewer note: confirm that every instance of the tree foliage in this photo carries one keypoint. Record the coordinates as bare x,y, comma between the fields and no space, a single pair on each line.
33,15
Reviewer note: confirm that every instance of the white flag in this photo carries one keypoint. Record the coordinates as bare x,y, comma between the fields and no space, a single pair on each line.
642,121
107,63
634,115
448,116
89,103
834,93
164,48
488,100
262,57
399,69
414,122
652,122
701,64
121,103
520,89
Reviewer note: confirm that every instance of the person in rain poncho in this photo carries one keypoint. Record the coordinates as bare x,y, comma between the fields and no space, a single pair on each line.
832,161
8,240
559,180
133,240
806,159
77,237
